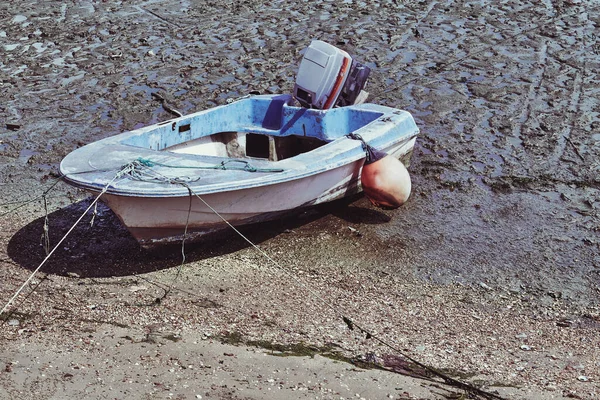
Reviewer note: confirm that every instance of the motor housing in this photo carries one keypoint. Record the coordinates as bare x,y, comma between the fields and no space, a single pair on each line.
328,77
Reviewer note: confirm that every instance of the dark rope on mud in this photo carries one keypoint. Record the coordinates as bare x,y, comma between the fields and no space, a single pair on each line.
447,379
185,232
471,389
24,203
44,196
166,106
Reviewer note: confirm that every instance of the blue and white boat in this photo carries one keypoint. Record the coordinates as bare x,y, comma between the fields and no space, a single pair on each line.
243,162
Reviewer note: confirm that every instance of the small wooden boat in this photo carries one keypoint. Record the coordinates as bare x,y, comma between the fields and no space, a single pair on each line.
248,161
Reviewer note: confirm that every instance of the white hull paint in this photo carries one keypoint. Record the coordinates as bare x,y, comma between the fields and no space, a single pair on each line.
155,220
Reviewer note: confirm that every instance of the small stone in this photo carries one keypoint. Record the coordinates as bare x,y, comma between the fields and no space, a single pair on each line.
521,336
355,231
13,322
151,53
137,288
525,347
483,285
583,378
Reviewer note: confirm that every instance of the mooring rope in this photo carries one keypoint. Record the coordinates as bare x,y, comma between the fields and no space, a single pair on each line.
348,321
123,170
351,324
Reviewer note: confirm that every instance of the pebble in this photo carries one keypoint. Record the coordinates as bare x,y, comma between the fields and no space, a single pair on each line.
525,347
582,378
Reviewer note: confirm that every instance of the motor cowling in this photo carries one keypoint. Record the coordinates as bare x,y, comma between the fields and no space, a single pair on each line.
328,77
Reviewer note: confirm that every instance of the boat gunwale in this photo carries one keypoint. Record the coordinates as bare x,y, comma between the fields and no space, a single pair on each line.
353,152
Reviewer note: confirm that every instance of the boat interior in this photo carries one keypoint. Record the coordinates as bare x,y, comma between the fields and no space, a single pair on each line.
265,127
248,145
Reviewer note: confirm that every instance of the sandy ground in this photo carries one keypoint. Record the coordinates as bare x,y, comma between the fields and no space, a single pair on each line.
490,273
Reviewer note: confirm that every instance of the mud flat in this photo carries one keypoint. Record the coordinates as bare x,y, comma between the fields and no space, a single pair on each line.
490,273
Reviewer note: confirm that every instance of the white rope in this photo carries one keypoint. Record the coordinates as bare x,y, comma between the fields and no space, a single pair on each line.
125,169
264,254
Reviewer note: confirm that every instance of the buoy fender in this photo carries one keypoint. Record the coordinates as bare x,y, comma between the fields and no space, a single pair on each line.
386,182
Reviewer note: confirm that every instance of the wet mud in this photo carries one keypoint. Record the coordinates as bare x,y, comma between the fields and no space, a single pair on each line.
505,172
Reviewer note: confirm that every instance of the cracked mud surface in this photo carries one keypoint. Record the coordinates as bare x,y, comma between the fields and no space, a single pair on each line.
490,272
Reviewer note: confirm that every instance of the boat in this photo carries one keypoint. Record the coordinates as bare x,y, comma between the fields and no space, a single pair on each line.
251,160
248,161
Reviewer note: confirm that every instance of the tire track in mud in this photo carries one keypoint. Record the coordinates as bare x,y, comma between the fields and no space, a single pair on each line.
564,136
537,79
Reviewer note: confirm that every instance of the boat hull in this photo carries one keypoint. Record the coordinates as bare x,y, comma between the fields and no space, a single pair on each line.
161,220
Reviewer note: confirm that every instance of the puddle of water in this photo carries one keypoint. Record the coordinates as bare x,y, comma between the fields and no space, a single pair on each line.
478,166
25,155
19,18
515,141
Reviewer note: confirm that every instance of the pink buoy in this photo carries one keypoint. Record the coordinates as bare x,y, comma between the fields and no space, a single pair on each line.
385,180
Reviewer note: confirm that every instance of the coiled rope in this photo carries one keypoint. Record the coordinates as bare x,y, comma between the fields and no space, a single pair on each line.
227,165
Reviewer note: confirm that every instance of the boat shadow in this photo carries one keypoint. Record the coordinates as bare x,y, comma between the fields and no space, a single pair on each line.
100,246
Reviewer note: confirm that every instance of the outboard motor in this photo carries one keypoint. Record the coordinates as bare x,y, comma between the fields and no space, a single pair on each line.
328,77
